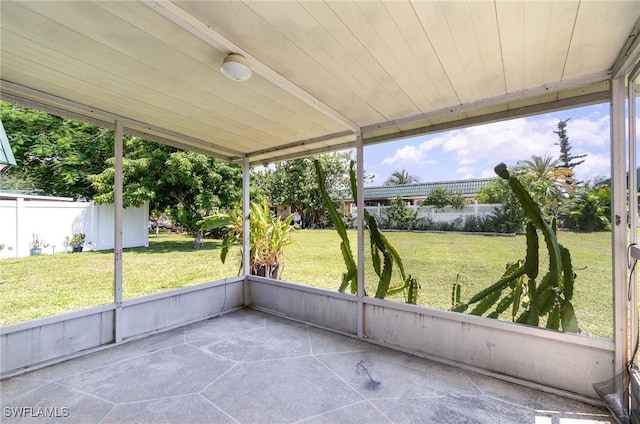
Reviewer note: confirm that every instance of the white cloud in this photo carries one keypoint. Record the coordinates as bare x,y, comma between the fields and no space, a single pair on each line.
408,155
595,165
507,141
588,132
474,152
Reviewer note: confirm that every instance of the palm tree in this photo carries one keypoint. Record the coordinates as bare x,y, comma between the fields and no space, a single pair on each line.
551,183
548,169
401,177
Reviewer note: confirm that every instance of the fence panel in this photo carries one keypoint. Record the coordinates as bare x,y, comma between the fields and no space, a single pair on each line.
53,221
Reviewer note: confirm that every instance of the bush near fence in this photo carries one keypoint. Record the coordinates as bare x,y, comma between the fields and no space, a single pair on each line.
473,218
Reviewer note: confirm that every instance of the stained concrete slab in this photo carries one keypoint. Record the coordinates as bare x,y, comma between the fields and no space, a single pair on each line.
52,403
191,409
174,371
250,367
360,413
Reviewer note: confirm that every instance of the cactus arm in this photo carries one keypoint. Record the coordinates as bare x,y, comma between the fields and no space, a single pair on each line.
553,322
533,213
412,296
503,305
567,271
568,318
532,251
486,303
385,277
498,285
345,247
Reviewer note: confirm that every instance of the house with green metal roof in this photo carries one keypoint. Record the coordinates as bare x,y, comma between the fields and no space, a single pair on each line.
414,193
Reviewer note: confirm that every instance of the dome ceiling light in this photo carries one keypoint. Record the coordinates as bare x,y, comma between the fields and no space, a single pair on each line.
236,67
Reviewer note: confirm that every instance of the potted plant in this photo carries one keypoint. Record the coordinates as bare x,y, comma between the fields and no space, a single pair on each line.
268,237
76,242
36,245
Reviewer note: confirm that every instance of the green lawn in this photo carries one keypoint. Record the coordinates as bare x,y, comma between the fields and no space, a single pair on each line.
45,285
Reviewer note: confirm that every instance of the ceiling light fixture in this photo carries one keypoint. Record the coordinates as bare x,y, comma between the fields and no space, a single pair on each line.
236,67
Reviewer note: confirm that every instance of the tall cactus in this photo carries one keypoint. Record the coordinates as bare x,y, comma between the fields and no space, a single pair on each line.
551,296
383,254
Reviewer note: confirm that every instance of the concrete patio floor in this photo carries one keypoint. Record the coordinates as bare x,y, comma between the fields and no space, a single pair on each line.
251,367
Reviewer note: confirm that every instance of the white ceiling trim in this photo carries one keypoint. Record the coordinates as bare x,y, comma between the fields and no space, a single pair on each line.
630,53
196,27
567,103
301,143
555,87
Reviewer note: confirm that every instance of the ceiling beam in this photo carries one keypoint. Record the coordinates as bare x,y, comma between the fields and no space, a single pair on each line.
188,22
494,101
301,143
305,153
584,100
629,54
74,110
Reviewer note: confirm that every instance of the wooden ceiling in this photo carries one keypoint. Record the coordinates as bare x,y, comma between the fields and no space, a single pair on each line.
321,70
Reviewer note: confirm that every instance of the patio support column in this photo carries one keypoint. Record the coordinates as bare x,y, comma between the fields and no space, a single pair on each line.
246,270
619,224
633,209
360,229
117,205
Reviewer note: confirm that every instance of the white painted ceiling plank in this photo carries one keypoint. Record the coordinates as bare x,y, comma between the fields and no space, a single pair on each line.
398,55
190,23
432,72
560,30
460,27
181,69
375,47
437,30
321,54
510,16
591,44
368,69
485,27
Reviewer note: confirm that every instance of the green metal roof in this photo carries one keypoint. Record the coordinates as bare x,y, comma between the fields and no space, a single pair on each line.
466,187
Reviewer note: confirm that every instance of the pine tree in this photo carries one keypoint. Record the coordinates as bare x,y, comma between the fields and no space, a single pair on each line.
566,159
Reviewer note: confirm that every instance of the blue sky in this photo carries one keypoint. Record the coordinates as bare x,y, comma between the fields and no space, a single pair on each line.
473,152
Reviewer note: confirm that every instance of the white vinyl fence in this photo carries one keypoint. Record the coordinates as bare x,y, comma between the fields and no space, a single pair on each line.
52,221
447,214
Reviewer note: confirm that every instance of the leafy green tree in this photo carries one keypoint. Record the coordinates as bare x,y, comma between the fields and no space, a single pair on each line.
591,207
400,178
185,185
440,198
54,156
400,215
293,183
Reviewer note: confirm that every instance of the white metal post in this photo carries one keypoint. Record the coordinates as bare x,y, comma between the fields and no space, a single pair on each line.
360,229
633,210
20,233
117,203
246,268
619,224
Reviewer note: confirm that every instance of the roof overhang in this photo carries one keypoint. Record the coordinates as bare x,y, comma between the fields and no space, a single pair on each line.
322,70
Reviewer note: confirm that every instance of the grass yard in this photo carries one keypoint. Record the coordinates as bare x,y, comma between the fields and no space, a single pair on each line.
41,286
435,259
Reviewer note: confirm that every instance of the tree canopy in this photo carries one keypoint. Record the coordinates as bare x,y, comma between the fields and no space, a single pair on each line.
187,185
293,184
54,155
